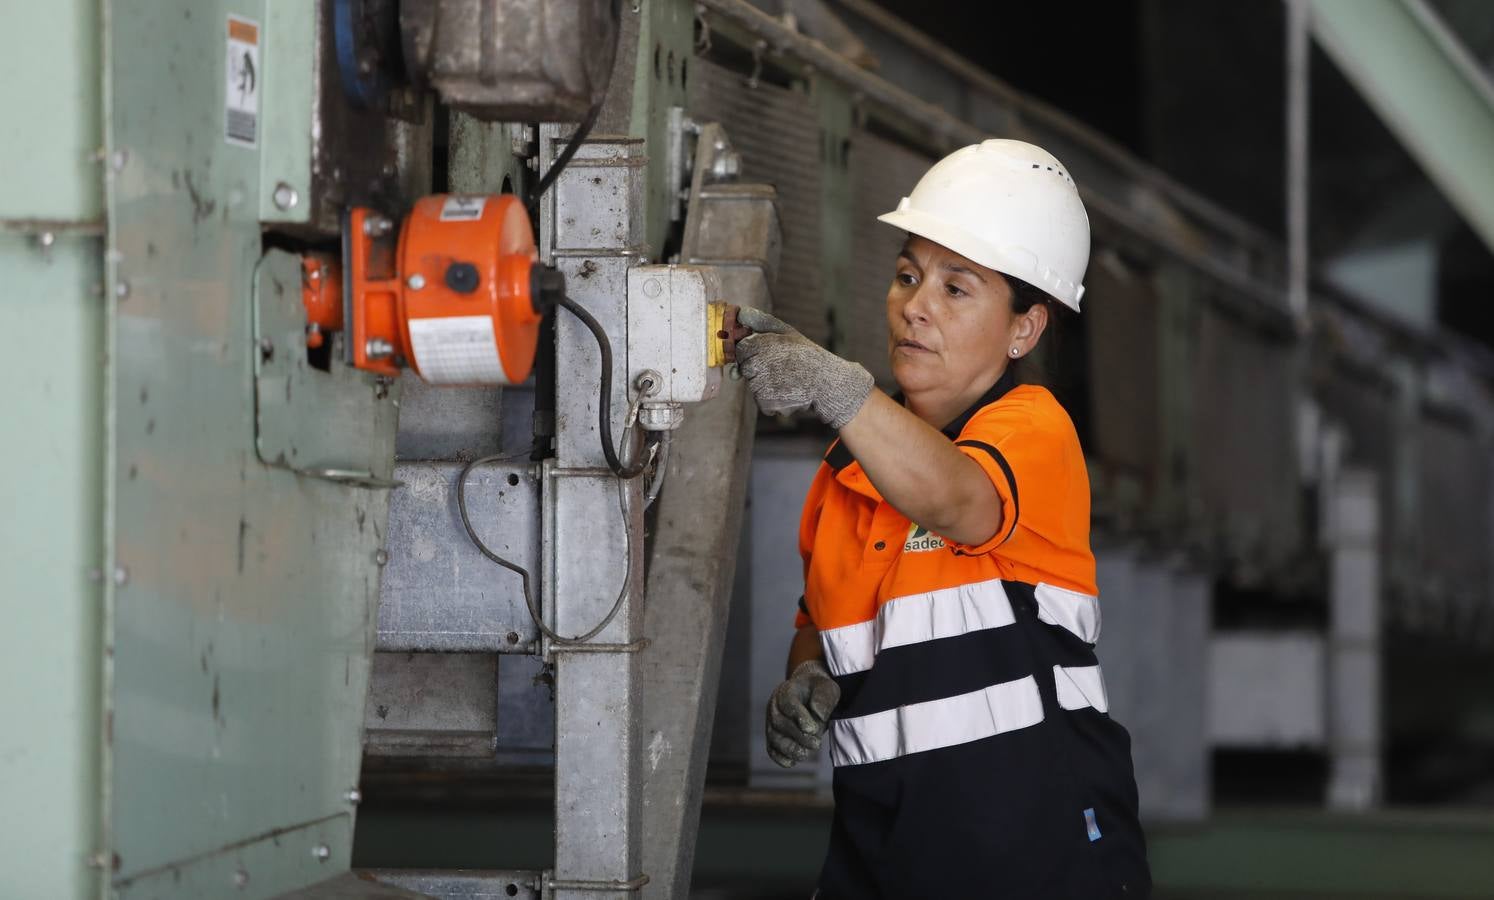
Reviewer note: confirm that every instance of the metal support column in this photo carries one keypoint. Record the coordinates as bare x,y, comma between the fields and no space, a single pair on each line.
1298,107
733,228
1354,670
592,531
1426,87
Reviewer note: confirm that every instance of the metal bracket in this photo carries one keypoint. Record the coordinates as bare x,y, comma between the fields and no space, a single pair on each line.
351,478
569,884
320,424
631,647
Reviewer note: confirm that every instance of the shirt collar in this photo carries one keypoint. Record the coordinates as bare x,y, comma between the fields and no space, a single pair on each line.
1005,383
839,457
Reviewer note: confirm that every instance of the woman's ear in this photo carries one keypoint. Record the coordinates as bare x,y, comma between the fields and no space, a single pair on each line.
1030,325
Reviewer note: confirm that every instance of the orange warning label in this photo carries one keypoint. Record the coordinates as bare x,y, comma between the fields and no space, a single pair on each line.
242,31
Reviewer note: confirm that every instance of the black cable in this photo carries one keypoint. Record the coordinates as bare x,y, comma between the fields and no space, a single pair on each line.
604,427
604,408
572,144
583,131
543,422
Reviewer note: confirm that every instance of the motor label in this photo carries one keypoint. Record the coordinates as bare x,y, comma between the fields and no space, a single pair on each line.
243,78
456,350
462,209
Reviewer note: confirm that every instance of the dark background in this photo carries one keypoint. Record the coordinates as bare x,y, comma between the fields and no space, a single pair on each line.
1198,89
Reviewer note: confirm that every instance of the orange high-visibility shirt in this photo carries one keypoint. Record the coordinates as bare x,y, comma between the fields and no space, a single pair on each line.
859,552
974,754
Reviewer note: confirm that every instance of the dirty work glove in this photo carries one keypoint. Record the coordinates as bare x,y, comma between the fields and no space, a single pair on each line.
799,712
788,372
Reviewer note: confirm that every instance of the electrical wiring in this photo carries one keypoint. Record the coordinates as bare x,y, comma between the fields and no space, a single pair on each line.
604,408
657,453
583,130
523,573
572,144
661,467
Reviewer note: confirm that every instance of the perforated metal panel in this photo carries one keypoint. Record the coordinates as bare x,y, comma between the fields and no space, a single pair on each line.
778,134
882,173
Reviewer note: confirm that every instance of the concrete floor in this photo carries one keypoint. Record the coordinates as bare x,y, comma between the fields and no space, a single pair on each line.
768,852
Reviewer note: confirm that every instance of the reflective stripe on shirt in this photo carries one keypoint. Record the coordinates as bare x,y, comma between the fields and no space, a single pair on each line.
1079,613
948,612
1080,687
933,724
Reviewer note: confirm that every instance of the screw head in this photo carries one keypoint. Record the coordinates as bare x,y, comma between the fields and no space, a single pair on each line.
121,576
377,226
381,557
354,796
321,852
285,196
266,349
121,289
118,159
378,348
240,879
46,238
415,282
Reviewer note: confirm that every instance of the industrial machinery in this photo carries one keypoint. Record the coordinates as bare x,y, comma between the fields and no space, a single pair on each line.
452,292
381,440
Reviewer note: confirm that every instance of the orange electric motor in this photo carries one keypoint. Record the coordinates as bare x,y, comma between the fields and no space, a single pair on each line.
451,293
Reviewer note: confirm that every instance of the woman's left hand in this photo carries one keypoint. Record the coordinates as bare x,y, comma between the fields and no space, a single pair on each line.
789,373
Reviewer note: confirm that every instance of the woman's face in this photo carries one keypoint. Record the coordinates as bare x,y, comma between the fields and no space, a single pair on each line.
951,322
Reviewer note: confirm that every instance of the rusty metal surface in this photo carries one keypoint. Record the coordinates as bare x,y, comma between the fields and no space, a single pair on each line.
512,60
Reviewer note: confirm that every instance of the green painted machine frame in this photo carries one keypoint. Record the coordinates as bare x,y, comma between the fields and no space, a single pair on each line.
192,555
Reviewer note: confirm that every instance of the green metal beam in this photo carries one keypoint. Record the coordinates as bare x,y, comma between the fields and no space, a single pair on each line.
51,462
1422,83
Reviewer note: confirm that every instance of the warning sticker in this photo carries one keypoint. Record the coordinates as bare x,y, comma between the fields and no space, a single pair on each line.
462,209
241,89
456,350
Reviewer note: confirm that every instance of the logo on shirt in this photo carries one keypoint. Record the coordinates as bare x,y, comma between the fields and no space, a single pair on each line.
921,540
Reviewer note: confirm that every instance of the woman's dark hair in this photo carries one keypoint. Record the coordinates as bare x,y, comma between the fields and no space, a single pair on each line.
1025,296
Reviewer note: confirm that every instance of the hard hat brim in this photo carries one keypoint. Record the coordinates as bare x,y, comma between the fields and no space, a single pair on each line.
1011,261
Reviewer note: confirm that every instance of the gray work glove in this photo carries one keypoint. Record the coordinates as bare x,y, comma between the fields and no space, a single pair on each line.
788,372
799,712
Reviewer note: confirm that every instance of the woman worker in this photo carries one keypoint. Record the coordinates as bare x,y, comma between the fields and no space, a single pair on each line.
945,642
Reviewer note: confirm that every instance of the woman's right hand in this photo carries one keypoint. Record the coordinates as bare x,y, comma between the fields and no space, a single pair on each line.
789,373
799,713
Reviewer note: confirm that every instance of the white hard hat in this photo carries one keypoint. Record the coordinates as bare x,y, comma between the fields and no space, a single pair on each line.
1008,206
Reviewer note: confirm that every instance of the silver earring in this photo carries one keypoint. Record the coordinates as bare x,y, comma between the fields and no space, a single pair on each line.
1016,352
